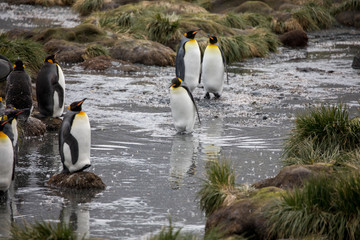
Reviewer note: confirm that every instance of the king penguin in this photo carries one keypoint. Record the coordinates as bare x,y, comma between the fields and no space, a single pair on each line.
188,60
7,164
18,88
5,68
10,128
50,88
213,68
183,107
75,139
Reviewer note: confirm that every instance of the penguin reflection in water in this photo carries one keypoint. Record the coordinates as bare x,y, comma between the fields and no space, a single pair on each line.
7,163
50,88
213,68
75,139
183,107
188,60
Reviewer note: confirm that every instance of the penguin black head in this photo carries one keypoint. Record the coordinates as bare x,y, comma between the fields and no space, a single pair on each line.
3,122
191,34
19,65
51,59
175,83
76,106
213,39
14,113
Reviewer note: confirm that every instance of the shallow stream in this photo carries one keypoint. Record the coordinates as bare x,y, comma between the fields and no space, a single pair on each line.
152,173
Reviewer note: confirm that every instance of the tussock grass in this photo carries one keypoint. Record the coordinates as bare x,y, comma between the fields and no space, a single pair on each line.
258,43
164,28
327,207
95,50
323,134
349,5
30,52
42,231
219,183
313,17
86,7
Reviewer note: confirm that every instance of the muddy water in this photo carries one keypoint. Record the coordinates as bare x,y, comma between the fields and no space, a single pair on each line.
152,173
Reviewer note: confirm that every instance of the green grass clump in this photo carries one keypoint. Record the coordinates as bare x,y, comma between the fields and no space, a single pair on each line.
163,28
30,52
313,17
257,43
322,135
219,182
95,50
42,231
85,7
349,5
326,207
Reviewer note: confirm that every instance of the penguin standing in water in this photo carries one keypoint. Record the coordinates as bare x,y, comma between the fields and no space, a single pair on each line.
18,88
75,139
188,60
213,68
183,107
7,164
10,128
50,88
5,68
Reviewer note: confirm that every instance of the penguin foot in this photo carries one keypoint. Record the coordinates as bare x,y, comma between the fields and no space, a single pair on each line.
217,96
207,96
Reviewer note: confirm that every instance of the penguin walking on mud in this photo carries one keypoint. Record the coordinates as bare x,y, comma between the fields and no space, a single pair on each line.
188,60
7,163
50,88
18,88
213,68
5,68
183,107
75,139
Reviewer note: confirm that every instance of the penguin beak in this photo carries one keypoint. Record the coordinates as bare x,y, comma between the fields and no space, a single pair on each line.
196,31
81,102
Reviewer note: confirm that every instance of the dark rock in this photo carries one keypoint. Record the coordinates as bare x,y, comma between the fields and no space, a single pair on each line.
356,62
32,127
102,63
294,176
69,52
294,38
144,52
243,218
349,18
78,180
52,124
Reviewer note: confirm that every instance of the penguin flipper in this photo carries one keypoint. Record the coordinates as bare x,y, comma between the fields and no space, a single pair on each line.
225,65
58,88
66,137
193,100
180,64
74,148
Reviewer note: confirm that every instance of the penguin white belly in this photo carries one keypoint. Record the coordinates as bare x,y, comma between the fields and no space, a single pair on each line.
182,109
192,63
213,70
58,111
15,131
6,161
80,130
